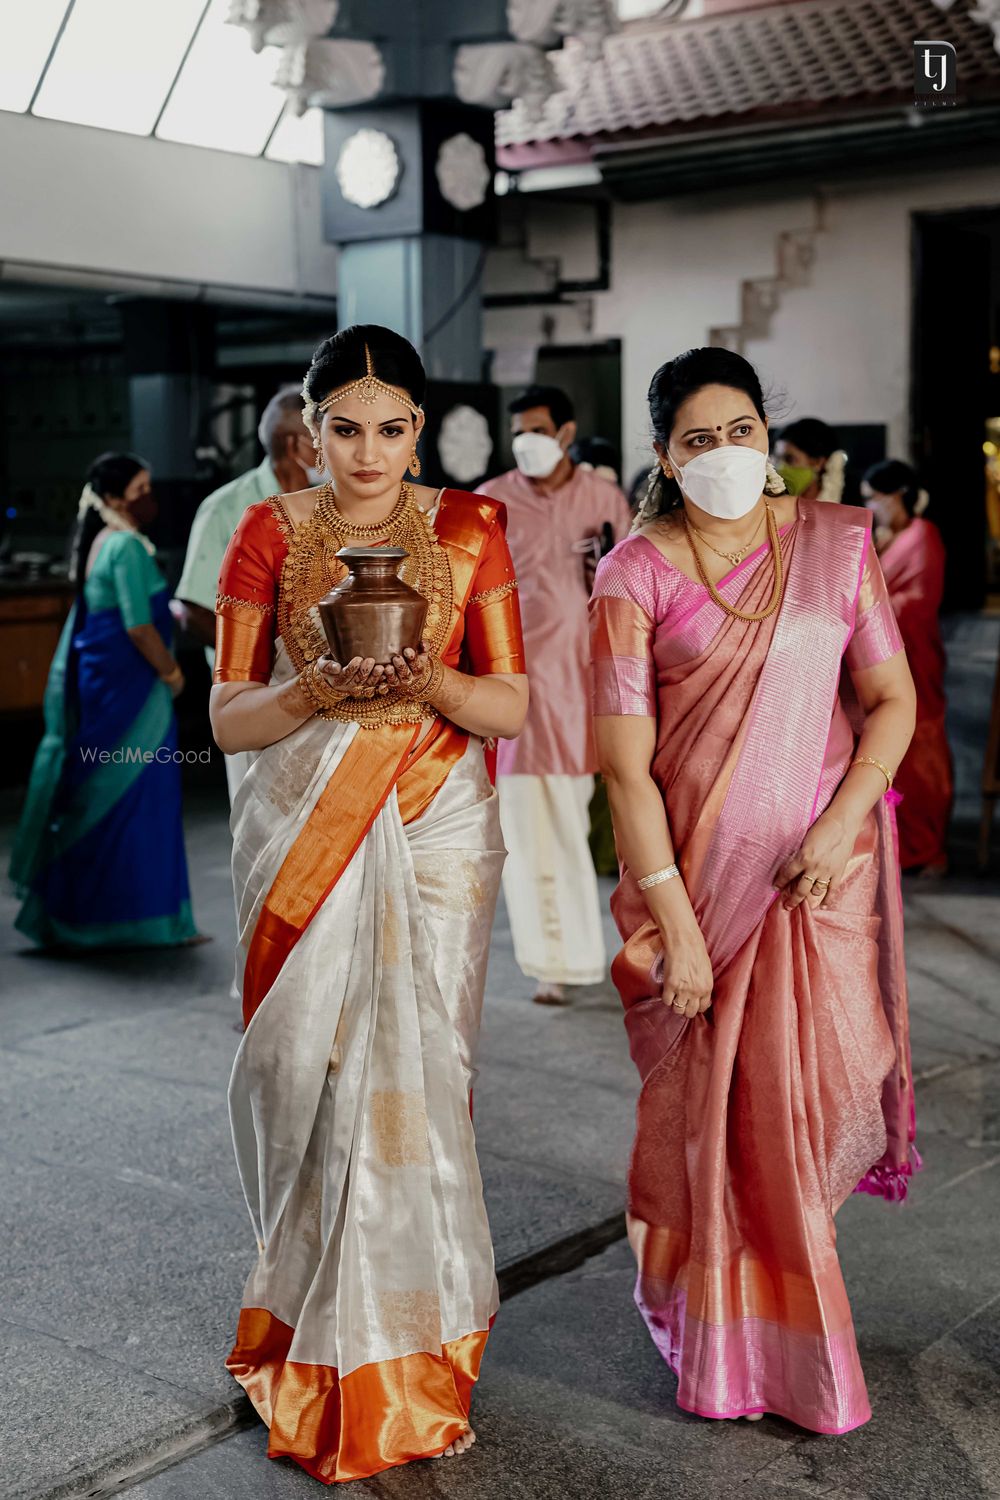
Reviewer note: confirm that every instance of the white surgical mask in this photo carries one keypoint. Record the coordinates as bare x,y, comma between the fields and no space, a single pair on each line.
726,482
536,454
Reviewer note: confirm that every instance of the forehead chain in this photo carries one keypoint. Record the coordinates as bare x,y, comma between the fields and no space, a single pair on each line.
368,389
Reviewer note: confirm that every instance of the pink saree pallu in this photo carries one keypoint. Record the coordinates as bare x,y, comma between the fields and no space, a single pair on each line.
756,1120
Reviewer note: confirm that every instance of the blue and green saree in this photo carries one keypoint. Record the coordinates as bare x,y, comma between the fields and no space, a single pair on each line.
99,858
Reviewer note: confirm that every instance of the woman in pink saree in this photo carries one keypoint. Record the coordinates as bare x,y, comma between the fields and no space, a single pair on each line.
752,703
912,556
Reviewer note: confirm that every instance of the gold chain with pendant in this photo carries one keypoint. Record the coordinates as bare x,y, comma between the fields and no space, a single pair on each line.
312,568
730,609
731,557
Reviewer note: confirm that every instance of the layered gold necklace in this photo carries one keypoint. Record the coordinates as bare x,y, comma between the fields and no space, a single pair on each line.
312,567
730,609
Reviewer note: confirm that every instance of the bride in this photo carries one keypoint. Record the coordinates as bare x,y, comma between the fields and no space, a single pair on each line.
366,857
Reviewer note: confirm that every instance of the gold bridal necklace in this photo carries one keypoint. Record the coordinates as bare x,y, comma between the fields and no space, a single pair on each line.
730,609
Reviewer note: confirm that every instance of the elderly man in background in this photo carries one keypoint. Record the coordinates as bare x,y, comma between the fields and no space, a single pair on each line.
287,466
559,515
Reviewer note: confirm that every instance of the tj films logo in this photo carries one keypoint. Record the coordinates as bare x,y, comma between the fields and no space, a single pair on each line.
935,74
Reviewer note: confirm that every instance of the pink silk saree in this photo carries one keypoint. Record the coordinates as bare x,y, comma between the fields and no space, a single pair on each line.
913,565
757,1120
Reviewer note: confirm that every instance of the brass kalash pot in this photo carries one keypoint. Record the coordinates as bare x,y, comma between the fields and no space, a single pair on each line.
372,612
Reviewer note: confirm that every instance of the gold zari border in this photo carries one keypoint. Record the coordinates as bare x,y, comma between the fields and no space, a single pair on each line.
499,592
221,600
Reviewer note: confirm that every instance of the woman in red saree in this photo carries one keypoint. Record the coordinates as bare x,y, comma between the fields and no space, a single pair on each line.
366,860
912,556
752,702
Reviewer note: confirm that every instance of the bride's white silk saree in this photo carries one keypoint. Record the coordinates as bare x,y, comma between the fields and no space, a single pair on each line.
367,863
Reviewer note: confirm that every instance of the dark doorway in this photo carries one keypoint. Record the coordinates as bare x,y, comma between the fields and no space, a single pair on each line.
954,393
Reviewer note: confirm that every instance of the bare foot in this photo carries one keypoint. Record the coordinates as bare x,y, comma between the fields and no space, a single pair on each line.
753,1416
462,1444
550,994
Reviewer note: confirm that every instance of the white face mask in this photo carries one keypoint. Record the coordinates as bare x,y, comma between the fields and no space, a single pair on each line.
536,454
725,482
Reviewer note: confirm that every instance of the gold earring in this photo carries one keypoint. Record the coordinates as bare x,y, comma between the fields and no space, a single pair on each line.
415,464
320,457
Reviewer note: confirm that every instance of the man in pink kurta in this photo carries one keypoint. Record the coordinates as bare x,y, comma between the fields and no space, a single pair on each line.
556,516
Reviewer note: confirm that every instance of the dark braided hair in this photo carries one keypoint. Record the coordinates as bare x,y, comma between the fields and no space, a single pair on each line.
108,476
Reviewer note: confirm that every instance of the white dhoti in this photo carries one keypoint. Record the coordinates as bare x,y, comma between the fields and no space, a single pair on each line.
549,883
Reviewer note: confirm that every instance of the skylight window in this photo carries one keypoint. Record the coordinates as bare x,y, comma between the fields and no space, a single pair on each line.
116,61
224,96
298,138
26,46
173,68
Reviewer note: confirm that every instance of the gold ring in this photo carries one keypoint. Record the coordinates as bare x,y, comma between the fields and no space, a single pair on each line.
817,884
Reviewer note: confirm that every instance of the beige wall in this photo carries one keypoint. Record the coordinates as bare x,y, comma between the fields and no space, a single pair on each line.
97,200
839,347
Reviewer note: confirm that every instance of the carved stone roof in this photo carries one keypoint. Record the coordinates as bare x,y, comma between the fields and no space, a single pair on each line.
794,59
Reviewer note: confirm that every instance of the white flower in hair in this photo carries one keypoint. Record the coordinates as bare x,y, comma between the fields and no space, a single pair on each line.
832,486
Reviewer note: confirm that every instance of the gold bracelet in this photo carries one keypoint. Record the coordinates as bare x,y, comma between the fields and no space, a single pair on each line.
869,760
174,675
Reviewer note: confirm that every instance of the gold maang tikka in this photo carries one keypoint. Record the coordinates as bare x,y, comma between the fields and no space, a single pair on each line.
368,389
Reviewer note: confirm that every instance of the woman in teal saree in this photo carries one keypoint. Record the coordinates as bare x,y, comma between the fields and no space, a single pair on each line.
98,859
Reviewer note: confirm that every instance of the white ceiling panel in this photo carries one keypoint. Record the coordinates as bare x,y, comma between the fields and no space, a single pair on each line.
224,96
116,61
27,42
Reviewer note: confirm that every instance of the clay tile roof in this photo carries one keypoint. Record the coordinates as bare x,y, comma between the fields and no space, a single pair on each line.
815,54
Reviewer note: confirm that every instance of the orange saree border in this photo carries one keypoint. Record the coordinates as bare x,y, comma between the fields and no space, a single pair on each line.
325,847
347,1427
742,1287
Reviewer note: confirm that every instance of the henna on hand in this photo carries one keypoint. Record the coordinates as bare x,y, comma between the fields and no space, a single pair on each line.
294,700
418,674
452,692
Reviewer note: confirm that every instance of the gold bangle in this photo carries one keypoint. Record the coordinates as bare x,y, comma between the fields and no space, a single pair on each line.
669,872
433,684
176,674
869,760
317,689
421,688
